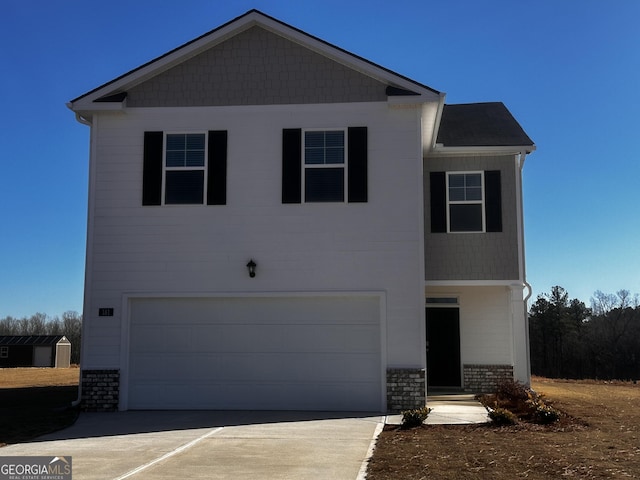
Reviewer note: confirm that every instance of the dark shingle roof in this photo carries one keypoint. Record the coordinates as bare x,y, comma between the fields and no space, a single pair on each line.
480,125
30,339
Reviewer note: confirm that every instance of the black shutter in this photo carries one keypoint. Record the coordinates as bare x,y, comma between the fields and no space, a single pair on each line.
291,165
217,171
358,189
438,196
493,200
152,168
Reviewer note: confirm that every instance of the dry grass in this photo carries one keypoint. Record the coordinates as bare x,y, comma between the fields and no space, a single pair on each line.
35,401
598,437
38,377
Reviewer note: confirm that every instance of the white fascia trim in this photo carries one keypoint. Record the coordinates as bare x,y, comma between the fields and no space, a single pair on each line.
441,150
438,121
474,283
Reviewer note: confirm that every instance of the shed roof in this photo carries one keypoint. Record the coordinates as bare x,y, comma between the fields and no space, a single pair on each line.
27,340
480,125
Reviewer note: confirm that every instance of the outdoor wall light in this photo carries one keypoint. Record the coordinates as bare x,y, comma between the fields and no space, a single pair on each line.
252,268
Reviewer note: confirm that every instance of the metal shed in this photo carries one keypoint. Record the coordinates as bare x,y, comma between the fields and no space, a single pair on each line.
35,351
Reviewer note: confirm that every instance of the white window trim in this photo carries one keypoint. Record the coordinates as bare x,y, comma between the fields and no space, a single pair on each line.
165,169
344,165
466,202
442,301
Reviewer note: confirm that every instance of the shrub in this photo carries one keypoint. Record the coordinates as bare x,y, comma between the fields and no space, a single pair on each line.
502,416
513,390
522,403
415,417
545,414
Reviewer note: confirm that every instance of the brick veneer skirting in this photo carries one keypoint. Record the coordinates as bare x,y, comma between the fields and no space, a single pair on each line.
405,389
485,378
100,390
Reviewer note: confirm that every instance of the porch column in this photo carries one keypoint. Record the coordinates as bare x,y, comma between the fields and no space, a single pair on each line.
520,329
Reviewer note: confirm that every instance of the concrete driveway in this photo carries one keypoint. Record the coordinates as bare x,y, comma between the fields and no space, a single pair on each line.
212,445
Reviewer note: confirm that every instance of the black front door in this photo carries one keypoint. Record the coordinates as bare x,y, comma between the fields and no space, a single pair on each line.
443,347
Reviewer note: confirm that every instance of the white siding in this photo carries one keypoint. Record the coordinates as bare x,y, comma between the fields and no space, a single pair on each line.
373,246
486,323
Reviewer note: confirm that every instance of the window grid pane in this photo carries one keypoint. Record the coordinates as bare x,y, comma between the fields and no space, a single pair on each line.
185,150
465,187
322,148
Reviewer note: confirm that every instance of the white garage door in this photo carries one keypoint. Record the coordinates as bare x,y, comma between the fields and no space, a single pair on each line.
294,353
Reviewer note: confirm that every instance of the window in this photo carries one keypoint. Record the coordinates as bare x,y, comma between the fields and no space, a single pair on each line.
324,165
185,168
465,201
441,301
4,352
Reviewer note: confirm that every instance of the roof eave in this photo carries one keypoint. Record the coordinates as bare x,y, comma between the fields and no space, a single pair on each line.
440,149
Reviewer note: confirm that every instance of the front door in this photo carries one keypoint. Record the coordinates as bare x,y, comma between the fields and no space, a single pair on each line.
443,347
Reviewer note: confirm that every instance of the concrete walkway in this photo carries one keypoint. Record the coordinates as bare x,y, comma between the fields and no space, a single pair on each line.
212,445
455,409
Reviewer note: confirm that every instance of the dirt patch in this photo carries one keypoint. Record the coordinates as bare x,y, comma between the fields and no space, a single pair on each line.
36,401
598,437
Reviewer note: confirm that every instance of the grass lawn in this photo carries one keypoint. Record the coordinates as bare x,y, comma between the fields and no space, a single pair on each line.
598,437
35,401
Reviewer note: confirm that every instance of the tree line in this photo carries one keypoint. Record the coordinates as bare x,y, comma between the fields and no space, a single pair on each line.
570,340
69,325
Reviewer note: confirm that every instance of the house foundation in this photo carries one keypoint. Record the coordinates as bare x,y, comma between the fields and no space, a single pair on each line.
485,378
405,389
100,390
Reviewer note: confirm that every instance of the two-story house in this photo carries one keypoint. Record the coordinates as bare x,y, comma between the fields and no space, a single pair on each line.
276,223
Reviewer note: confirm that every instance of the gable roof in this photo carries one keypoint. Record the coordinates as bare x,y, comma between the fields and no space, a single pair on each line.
111,94
29,340
480,125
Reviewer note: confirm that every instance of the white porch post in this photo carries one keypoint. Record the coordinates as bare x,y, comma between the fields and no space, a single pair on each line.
520,326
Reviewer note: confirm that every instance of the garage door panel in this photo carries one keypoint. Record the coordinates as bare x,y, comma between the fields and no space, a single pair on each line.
266,338
272,396
259,310
254,367
317,353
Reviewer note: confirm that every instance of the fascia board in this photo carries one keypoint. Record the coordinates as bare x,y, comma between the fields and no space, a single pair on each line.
473,283
440,150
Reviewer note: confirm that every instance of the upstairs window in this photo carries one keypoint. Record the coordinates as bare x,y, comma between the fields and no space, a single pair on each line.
4,352
324,166
468,202
185,168
465,201
329,165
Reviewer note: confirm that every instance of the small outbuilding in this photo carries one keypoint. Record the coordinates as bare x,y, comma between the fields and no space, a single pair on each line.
35,351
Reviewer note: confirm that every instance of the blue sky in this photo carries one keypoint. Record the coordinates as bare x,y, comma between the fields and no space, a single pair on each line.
568,70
